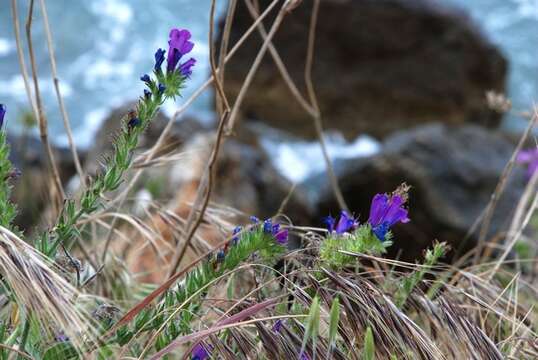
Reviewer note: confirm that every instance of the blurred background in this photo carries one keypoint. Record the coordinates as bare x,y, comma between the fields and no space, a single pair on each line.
401,86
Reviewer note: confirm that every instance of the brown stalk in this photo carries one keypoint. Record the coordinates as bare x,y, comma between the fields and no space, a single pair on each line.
43,125
501,185
61,103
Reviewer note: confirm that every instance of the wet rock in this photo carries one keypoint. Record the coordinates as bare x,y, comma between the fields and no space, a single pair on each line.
31,190
452,171
379,66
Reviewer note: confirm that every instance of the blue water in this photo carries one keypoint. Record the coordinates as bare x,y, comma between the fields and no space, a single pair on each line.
513,26
103,46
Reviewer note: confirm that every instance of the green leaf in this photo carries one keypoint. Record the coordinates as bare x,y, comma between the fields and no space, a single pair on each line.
334,319
369,345
64,351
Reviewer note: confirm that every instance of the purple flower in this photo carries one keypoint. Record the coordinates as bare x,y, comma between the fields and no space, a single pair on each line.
179,45
162,88
277,326
386,211
529,157
145,78
201,352
254,219
345,223
186,68
3,110
280,235
159,58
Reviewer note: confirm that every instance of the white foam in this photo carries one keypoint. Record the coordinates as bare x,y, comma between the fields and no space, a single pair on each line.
6,47
298,160
14,86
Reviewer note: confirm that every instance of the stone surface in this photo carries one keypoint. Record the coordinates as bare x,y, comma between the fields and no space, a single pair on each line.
380,66
452,171
31,190
246,183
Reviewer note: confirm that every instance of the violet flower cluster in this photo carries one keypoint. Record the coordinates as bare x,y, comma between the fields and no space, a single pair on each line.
385,211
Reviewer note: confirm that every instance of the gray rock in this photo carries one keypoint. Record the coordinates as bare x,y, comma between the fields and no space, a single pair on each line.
452,171
380,66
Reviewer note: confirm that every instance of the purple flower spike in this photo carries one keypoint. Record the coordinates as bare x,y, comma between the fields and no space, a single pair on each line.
159,59
386,211
346,223
201,352
3,110
529,157
186,68
179,45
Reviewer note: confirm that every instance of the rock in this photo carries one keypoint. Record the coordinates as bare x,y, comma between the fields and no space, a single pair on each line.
379,66
180,132
246,183
452,171
31,190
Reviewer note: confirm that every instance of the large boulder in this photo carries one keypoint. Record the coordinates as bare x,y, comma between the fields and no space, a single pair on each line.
379,66
452,171
31,191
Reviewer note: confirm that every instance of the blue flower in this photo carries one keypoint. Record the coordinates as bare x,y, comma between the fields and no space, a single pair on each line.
201,352
386,211
235,238
345,224
3,110
268,226
254,219
145,78
133,122
159,58
220,256
147,93
162,88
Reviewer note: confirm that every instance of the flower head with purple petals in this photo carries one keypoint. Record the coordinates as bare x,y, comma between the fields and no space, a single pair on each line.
385,211
345,224
201,352
280,235
529,158
3,110
179,45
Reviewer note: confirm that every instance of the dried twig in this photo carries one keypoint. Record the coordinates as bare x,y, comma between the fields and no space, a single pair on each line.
500,189
43,125
61,104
